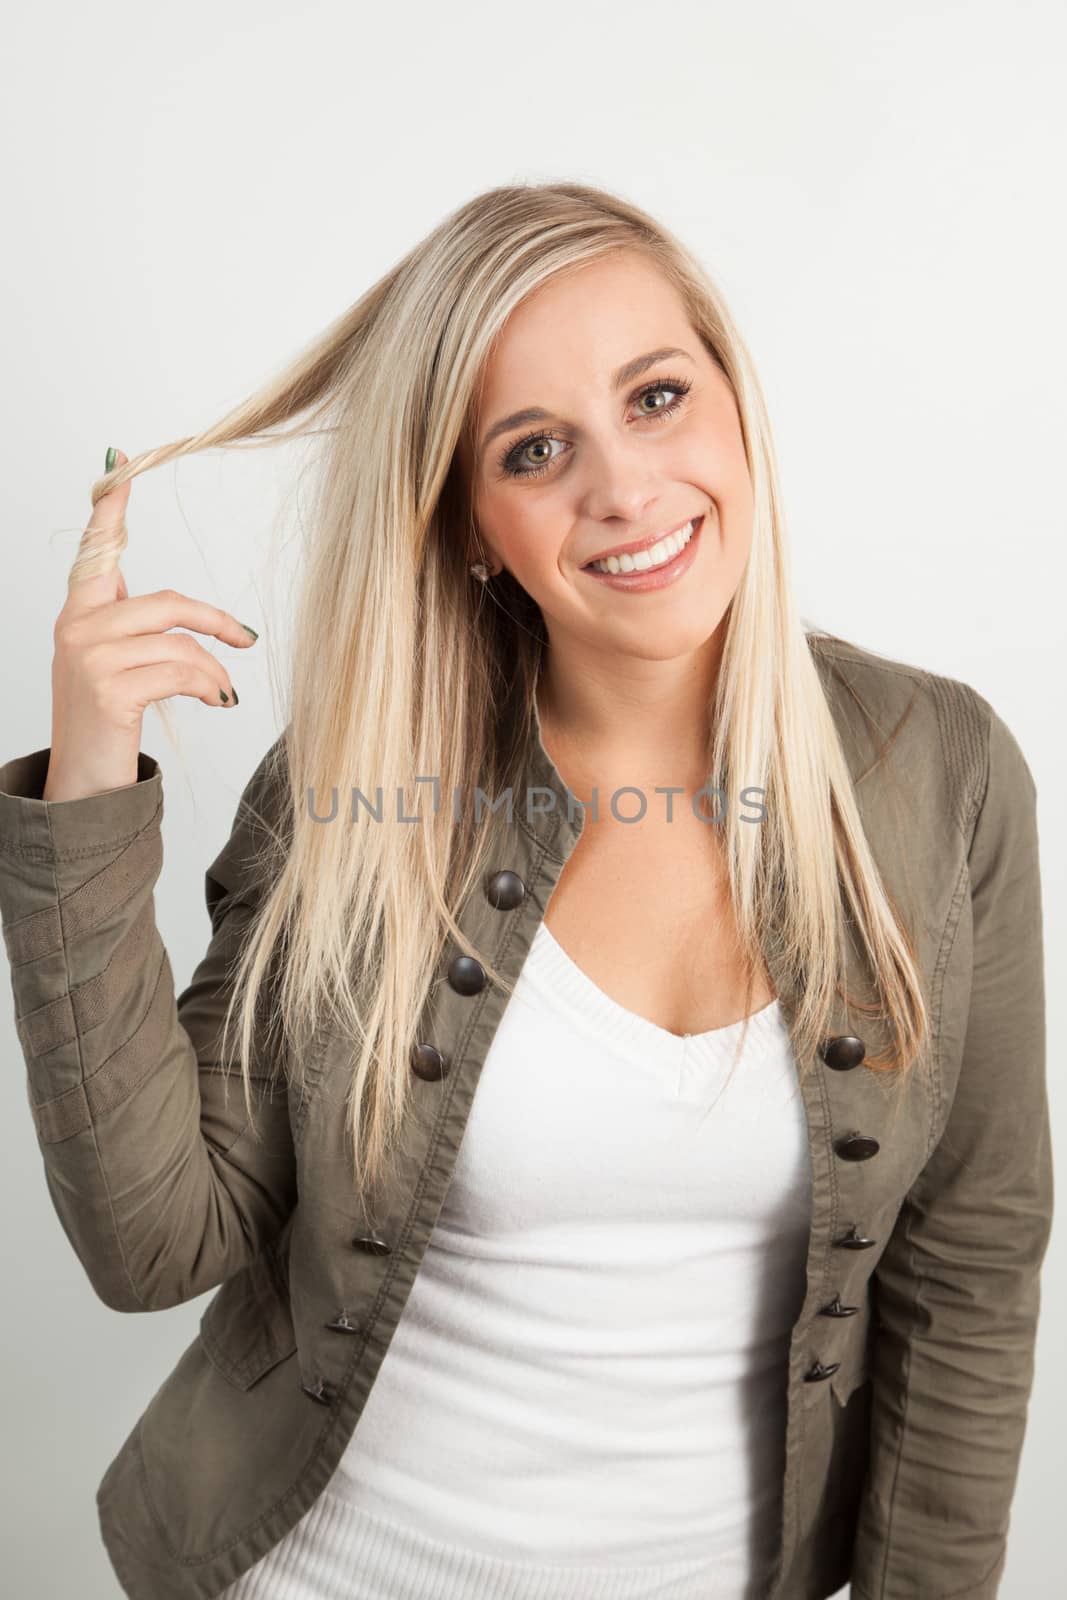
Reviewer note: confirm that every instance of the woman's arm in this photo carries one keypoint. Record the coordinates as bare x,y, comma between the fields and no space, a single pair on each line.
156,1176
958,1287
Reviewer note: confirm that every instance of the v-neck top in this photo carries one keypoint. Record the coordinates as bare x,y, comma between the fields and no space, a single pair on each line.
685,1060
585,1394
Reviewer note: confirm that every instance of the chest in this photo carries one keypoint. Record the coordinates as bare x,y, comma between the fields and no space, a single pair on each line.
644,909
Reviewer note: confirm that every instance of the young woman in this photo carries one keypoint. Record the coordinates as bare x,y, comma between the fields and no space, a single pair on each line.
640,1177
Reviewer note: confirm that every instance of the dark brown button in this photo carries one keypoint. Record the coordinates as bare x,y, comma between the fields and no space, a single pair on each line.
857,1147
854,1241
320,1390
836,1309
844,1052
466,975
428,1062
818,1371
372,1245
341,1323
505,890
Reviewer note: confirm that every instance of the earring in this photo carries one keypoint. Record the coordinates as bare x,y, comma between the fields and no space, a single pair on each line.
480,571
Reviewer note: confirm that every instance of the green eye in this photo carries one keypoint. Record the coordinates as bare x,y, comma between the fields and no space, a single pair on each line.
510,462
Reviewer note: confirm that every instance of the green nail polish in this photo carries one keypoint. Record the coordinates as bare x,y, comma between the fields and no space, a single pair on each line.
109,459
235,699
224,697
252,631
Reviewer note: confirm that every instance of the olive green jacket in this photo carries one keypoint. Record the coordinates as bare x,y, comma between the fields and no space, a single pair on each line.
911,1360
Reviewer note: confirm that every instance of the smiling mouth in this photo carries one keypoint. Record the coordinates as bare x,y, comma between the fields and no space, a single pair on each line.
647,559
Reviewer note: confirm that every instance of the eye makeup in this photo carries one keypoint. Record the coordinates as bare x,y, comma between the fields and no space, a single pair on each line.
508,462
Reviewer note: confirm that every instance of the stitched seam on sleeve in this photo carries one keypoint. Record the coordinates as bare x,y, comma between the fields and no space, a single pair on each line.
948,938
49,852
92,1125
949,935
965,734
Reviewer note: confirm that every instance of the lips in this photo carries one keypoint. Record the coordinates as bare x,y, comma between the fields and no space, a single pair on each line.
643,544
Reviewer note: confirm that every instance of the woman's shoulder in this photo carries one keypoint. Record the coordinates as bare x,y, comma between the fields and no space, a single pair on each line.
937,732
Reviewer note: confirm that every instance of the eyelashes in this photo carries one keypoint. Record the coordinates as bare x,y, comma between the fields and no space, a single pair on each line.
509,461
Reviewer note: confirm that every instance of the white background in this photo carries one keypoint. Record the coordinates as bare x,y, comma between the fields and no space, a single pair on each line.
191,192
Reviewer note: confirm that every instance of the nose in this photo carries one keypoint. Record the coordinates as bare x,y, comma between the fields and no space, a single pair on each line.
619,485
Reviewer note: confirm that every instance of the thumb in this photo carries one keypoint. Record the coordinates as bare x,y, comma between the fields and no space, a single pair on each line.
103,526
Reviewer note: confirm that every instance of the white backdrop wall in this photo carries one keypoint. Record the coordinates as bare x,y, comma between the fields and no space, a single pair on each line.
191,192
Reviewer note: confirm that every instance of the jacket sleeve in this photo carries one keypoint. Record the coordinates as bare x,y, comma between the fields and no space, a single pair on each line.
163,1186
958,1286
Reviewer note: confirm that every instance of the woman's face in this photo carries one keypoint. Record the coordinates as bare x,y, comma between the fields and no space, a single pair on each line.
615,458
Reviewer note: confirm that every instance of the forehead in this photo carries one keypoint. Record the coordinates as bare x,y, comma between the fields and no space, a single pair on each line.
578,328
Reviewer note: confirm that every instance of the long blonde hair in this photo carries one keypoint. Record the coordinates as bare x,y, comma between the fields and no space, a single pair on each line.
402,664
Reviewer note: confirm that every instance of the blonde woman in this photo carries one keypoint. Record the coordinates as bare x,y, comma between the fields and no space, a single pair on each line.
639,1174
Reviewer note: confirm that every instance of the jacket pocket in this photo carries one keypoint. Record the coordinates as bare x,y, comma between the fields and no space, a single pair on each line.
248,1326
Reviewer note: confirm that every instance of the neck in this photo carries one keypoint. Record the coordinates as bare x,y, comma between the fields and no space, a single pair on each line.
625,719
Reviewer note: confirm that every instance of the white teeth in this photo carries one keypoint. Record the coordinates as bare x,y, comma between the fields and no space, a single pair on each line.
656,555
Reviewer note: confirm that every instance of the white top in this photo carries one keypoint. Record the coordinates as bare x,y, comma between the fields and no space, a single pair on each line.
585,1395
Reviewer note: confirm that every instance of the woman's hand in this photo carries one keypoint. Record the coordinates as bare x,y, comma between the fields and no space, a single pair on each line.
113,656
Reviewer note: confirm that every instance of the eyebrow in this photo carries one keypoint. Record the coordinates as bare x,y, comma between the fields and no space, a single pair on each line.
625,374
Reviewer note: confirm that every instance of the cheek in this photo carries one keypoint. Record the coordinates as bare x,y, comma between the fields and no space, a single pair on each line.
711,453
531,544
527,538
716,464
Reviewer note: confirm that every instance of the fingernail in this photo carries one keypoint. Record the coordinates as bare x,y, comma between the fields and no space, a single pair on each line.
224,697
109,459
233,691
252,631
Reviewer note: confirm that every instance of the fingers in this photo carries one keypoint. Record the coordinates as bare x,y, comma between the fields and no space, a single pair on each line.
104,525
115,654
122,668
167,678
155,613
